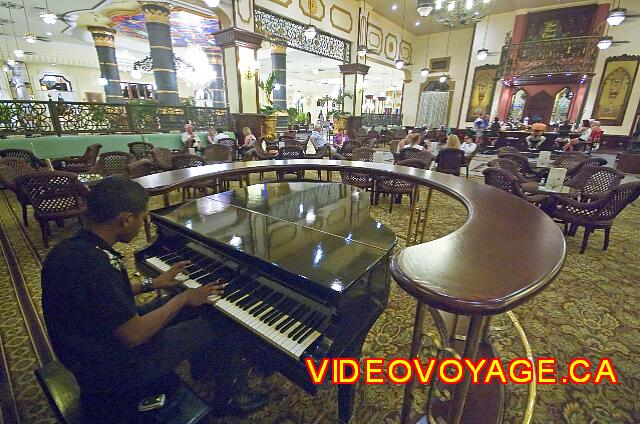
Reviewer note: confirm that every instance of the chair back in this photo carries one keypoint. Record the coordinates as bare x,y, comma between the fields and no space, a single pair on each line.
187,161
570,160
597,180
361,132
140,149
588,163
162,158
364,154
524,167
348,148
218,153
114,163
291,152
52,192
509,166
393,147
610,205
290,141
507,149
450,161
261,153
11,168
408,153
32,160
140,168
502,179
415,163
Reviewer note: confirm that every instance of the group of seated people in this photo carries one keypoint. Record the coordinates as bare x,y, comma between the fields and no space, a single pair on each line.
416,141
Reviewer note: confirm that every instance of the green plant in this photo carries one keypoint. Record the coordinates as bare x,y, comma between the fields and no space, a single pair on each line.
301,118
293,114
270,110
268,85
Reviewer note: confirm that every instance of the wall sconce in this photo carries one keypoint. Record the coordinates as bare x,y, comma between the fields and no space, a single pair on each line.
249,69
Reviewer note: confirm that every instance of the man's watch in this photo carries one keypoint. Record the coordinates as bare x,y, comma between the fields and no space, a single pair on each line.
147,285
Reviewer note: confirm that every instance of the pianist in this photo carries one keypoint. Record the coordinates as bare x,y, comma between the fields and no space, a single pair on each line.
120,352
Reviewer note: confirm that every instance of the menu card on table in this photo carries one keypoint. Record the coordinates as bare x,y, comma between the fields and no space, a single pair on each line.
544,159
555,179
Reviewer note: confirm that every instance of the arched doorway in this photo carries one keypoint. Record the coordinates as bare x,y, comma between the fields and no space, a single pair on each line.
538,107
518,101
561,106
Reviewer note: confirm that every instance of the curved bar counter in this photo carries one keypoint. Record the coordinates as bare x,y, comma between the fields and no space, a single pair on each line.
506,252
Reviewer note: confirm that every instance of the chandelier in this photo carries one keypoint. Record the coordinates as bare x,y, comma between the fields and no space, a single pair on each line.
146,64
454,13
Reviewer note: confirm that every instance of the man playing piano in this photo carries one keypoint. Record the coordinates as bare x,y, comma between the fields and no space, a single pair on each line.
118,351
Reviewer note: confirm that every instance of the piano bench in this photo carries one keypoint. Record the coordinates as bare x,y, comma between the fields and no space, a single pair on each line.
182,405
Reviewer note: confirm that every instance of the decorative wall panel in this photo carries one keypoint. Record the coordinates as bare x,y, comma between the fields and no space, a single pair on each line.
482,90
560,23
405,51
390,46
244,10
314,9
285,3
615,88
433,109
341,18
374,38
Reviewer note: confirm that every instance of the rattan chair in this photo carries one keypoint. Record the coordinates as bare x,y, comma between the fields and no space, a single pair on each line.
347,149
78,164
140,149
507,149
358,179
570,160
113,163
399,186
449,161
505,180
393,148
231,144
524,167
594,215
140,168
10,169
468,159
592,183
189,161
32,160
162,158
589,163
55,196
288,153
218,153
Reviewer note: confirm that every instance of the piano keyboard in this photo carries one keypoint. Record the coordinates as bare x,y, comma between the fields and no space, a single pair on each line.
269,310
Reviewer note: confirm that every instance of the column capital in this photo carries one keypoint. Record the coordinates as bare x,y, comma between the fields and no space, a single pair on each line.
102,36
232,37
156,11
354,69
278,49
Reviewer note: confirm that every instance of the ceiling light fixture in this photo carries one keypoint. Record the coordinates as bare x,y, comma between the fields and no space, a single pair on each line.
310,32
30,38
399,63
136,73
394,6
462,12
616,16
11,62
425,7
362,51
605,42
103,81
442,78
482,54
47,16
212,3
424,72
19,53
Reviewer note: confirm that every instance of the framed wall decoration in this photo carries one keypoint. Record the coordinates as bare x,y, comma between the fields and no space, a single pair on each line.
439,64
615,88
482,90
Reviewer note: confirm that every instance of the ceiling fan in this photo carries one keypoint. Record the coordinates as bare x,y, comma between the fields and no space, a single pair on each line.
607,41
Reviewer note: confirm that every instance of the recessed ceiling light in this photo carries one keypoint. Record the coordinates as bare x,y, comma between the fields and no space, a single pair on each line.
52,64
394,6
49,33
417,23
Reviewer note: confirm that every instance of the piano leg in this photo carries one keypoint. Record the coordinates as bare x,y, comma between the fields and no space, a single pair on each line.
346,394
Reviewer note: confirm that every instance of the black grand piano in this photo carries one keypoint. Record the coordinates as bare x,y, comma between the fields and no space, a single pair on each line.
307,267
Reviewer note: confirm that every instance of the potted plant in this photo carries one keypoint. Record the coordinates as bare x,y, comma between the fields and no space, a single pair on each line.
270,121
339,115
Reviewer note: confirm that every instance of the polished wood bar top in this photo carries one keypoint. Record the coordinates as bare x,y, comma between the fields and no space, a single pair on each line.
506,251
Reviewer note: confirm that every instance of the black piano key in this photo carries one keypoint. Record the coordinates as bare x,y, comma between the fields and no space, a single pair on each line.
304,323
268,302
277,304
280,312
265,297
292,317
294,326
308,326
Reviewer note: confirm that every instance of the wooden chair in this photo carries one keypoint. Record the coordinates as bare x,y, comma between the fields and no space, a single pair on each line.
113,163
231,144
59,385
348,148
468,159
140,149
32,160
594,215
357,179
219,153
507,149
10,169
398,186
570,160
78,164
628,162
393,148
449,161
55,196
140,168
505,180
589,163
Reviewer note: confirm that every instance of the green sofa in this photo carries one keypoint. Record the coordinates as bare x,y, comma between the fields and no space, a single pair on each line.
74,145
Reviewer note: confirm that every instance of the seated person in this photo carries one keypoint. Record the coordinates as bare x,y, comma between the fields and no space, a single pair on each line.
118,351
468,145
340,138
583,138
248,147
564,131
317,139
410,141
536,138
190,138
453,142
596,134
215,135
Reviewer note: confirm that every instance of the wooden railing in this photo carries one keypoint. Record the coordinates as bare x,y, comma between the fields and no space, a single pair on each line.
27,117
560,55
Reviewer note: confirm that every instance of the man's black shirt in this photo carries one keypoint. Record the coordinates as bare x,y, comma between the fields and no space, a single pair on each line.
86,295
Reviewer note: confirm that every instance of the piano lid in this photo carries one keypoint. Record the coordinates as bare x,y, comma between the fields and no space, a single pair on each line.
266,222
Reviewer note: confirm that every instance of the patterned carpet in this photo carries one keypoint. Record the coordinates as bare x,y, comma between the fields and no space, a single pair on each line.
590,310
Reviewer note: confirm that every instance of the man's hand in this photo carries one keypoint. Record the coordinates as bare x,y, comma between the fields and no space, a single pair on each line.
199,296
168,279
